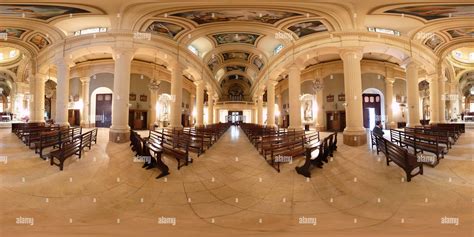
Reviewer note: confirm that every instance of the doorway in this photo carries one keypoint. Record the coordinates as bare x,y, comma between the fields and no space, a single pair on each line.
371,103
235,117
103,110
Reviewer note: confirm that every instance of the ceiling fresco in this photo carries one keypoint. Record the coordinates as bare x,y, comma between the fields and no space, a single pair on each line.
235,68
433,41
12,32
242,15
433,12
258,62
39,41
235,55
235,38
164,28
42,12
461,32
306,28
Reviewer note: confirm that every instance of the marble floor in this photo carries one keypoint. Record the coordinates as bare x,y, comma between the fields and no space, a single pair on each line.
231,191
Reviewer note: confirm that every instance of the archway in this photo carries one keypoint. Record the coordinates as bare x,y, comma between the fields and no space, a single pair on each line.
373,104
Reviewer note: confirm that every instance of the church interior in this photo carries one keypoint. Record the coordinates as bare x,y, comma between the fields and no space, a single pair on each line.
237,118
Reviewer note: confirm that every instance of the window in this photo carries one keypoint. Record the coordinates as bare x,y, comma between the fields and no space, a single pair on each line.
277,49
471,56
90,31
458,54
193,49
12,53
384,31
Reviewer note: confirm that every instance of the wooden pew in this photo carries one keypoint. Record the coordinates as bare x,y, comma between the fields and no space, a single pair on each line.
286,150
400,156
75,146
175,147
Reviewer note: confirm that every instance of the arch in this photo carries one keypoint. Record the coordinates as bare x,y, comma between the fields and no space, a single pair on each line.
93,101
383,106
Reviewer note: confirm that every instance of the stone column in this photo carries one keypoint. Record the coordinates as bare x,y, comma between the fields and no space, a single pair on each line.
177,95
254,116
62,92
389,101
210,106
320,126
120,131
153,87
442,99
294,89
199,102
38,98
260,109
434,99
271,103
354,133
280,108
191,108
413,97
85,114
216,112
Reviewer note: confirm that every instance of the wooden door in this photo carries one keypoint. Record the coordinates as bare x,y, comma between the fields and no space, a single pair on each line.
371,101
103,110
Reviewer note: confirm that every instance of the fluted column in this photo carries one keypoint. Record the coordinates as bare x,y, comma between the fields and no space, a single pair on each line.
177,95
442,97
434,99
260,109
199,102
62,92
119,131
210,106
294,89
191,108
271,103
153,87
413,97
354,133
85,116
390,123
38,98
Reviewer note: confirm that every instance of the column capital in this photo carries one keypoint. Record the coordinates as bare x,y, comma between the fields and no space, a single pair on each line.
389,80
352,52
119,52
63,62
294,66
272,83
409,62
199,82
85,80
192,95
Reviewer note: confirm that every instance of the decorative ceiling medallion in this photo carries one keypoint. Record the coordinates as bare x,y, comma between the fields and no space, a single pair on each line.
461,32
432,12
42,12
12,32
164,28
235,68
39,41
236,55
306,28
434,41
236,38
245,15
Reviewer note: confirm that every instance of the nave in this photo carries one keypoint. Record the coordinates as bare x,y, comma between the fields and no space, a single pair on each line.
230,189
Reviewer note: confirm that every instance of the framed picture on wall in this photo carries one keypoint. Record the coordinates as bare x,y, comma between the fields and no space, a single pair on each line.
341,97
143,97
132,97
330,98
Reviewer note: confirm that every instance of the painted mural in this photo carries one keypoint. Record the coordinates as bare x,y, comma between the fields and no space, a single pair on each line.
213,64
306,28
40,41
165,28
233,38
12,32
235,68
433,12
42,12
433,41
236,77
246,15
257,62
236,55
461,32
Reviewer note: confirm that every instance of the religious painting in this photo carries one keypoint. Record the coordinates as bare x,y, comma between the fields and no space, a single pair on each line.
433,41
12,32
432,12
143,98
341,97
164,28
235,38
39,41
132,97
213,64
306,28
245,15
42,12
235,68
330,98
257,62
461,32
236,55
